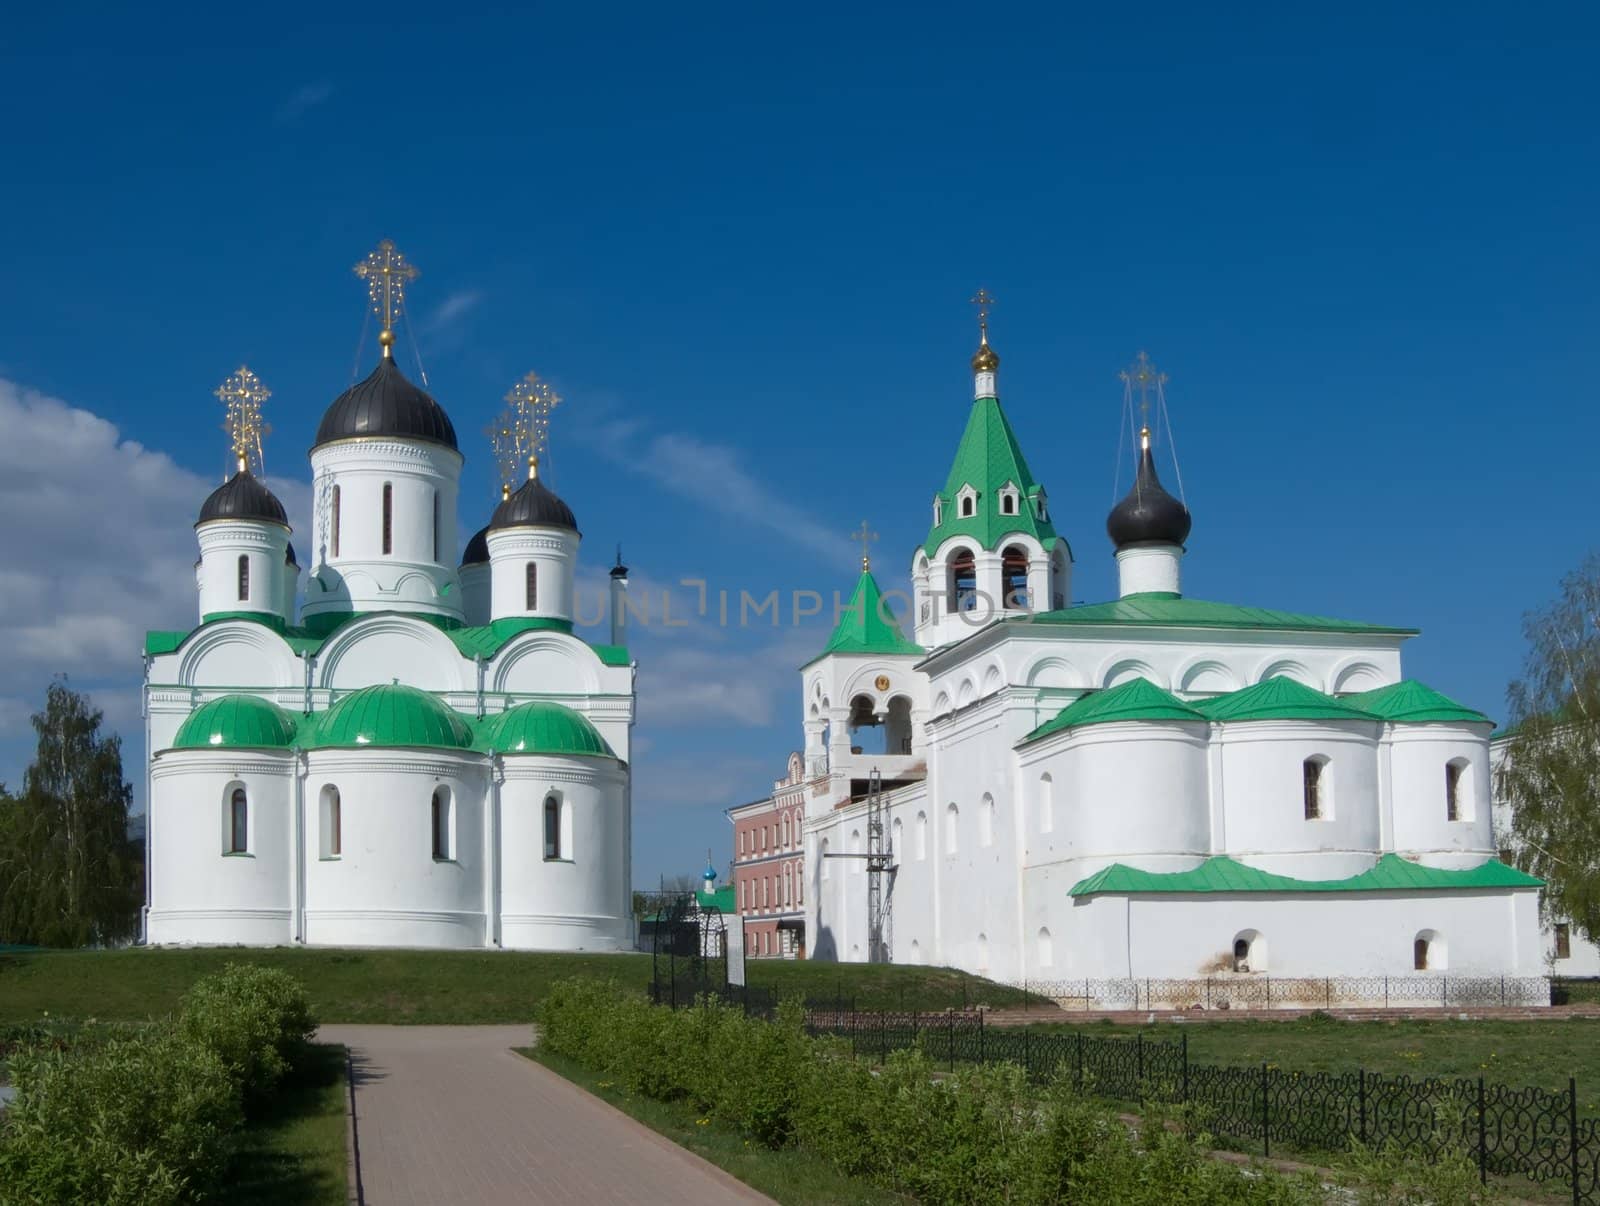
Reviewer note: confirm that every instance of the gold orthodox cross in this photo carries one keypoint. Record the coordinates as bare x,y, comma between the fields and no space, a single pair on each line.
387,274
531,400
866,536
242,393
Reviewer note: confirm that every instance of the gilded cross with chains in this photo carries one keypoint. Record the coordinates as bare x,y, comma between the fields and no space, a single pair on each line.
387,274
243,393
866,536
531,400
983,299
1142,375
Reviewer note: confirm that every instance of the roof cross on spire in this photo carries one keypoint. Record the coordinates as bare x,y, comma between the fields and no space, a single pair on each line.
866,536
531,400
984,360
387,274
1142,375
242,393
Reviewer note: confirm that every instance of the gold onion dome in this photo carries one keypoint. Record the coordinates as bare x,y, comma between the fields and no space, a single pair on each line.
984,360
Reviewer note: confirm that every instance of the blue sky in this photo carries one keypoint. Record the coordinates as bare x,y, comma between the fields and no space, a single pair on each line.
741,241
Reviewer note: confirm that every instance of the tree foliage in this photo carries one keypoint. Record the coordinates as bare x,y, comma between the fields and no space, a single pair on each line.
1550,775
69,876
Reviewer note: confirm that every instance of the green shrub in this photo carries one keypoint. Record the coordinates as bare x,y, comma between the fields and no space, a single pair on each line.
257,1020
140,1121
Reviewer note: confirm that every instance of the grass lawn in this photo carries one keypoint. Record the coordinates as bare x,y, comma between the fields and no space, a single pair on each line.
460,987
296,1151
794,1178
1542,1053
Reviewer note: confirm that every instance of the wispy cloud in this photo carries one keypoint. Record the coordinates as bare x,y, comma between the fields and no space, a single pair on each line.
302,101
713,475
451,311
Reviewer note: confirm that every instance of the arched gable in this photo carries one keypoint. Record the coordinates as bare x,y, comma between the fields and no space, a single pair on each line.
1356,674
545,663
381,648
238,653
1289,668
1117,670
1206,675
1054,671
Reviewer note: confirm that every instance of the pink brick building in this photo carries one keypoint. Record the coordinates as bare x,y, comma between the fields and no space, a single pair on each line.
769,869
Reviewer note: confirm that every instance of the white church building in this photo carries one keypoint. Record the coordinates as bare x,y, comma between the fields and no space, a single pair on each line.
426,754
1154,786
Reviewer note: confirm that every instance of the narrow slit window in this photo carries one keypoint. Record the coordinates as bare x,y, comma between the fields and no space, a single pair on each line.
1452,791
244,578
388,518
333,521
531,586
1313,789
552,828
239,822
441,823
436,525
1419,955
331,826
1563,940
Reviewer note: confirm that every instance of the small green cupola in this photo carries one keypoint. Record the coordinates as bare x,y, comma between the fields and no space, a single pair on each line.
236,722
390,715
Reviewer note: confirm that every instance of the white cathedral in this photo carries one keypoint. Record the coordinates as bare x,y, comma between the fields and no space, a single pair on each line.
1155,786
426,755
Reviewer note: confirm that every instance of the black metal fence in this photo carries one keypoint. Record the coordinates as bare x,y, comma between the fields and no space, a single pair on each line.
1296,992
1511,1132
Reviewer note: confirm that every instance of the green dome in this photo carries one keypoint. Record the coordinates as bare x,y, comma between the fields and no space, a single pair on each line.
237,722
542,728
391,715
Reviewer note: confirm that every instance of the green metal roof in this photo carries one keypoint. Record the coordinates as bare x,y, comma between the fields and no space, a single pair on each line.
1410,702
986,459
542,728
390,715
1279,698
487,639
867,626
1157,609
1136,699
1391,873
236,722
722,899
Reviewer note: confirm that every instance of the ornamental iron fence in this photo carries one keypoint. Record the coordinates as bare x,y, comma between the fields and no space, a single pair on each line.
1261,991
1509,1131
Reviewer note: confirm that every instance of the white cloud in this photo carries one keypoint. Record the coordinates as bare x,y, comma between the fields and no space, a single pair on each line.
99,547
302,100
450,312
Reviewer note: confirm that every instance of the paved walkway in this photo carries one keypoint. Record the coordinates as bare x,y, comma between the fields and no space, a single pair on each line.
448,1114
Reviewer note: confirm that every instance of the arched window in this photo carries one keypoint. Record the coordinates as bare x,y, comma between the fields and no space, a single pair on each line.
952,816
897,836
1249,951
388,518
333,520
986,821
331,822
1008,503
963,581
1457,796
531,586
799,884
1047,803
922,836
983,952
788,888
785,829
441,823
1428,951
552,827
436,525
244,577
238,822
1314,781
969,505
822,863
1014,568
855,848
1046,948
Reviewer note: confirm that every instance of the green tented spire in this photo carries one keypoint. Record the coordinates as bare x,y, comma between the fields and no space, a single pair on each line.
989,459
867,626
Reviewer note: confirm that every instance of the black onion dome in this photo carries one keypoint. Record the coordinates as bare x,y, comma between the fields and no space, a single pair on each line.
477,548
1149,515
386,404
533,506
242,496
